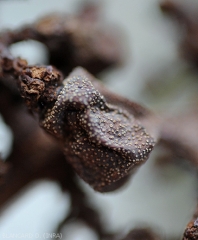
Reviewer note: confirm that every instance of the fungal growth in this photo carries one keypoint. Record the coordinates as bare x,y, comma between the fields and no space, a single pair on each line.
103,142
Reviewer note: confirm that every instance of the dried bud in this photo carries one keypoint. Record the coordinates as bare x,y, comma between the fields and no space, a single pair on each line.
103,142
39,85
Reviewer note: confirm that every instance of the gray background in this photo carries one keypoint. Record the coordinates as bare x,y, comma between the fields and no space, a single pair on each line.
160,199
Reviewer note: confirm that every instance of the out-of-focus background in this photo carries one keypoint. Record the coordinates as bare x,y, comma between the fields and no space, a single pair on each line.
163,199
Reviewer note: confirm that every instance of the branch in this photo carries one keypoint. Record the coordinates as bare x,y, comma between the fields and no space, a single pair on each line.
191,232
188,23
78,40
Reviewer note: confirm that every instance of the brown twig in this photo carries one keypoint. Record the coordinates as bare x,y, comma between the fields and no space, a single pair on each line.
188,22
73,40
35,155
